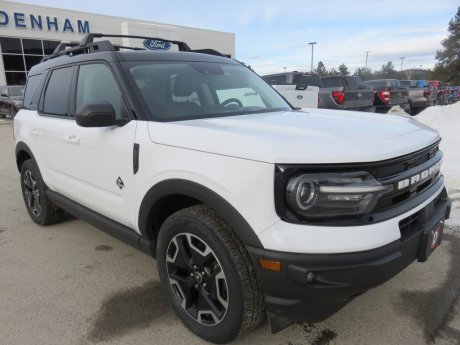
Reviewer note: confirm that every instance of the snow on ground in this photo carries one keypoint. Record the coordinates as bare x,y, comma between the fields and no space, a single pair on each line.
446,120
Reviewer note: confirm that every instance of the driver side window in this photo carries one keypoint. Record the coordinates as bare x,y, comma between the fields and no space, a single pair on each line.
96,84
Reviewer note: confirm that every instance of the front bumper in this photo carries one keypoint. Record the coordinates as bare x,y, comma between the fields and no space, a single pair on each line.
291,296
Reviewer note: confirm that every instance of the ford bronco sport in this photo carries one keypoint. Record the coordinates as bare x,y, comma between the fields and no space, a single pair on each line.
248,205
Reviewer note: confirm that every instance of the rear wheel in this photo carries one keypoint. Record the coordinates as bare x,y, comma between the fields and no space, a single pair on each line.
40,208
12,112
208,275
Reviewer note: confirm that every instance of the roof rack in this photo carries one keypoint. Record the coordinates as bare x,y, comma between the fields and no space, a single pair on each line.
87,45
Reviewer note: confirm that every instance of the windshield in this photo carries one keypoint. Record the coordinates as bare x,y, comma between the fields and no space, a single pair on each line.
190,90
16,91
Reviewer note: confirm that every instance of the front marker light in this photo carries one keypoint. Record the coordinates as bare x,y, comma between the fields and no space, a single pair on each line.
333,194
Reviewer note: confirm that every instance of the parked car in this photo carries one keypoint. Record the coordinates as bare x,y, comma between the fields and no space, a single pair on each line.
440,89
419,97
248,208
346,93
11,98
301,89
432,95
388,93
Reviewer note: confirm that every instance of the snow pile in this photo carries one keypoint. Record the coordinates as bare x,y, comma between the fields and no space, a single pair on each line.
446,120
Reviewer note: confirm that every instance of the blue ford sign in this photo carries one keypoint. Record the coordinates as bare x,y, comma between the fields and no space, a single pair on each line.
156,44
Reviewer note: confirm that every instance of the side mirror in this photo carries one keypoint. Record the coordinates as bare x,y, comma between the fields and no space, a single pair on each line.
96,115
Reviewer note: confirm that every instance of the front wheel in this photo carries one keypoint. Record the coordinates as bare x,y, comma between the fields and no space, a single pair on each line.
208,275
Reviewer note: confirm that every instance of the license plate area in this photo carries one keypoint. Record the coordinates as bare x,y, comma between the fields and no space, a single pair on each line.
431,239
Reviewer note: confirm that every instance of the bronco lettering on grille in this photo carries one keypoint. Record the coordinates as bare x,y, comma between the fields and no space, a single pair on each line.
431,171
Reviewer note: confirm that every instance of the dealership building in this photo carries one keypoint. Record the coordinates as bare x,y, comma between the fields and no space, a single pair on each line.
30,32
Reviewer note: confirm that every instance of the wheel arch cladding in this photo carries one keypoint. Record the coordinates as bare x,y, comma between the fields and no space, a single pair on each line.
22,153
170,196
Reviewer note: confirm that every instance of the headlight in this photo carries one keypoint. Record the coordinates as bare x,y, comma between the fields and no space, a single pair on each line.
333,194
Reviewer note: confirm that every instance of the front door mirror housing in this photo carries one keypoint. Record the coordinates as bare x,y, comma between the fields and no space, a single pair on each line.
96,115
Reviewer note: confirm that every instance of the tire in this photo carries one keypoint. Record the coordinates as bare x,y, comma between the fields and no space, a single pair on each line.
12,112
200,259
40,209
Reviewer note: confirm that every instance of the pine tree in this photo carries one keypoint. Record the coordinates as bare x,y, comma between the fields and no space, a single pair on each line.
343,70
448,67
321,69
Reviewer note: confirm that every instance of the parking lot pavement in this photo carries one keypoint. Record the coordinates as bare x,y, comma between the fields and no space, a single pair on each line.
72,284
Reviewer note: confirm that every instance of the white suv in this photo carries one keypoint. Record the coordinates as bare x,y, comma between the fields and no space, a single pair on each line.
247,205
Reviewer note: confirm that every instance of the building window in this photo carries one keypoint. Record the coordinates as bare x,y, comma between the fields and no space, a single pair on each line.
19,55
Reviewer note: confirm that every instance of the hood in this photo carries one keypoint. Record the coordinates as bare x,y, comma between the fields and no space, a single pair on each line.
299,137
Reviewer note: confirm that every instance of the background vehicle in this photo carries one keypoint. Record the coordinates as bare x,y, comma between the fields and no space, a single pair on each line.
440,90
11,98
346,93
388,93
419,97
298,88
432,95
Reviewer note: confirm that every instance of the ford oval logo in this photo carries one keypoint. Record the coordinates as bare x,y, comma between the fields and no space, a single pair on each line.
156,44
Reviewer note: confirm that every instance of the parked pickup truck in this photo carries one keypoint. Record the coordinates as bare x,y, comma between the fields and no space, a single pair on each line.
298,88
440,89
347,93
388,93
419,97
432,94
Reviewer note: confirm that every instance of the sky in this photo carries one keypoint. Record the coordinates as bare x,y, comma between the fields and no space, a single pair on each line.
273,36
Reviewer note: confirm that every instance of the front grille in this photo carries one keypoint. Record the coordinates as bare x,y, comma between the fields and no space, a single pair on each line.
402,164
414,223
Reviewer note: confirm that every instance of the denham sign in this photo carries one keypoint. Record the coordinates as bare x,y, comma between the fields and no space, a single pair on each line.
40,22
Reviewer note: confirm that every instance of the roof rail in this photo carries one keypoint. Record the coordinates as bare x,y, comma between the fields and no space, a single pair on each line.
89,38
87,45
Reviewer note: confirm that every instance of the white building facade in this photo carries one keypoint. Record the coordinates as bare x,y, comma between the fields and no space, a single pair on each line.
30,32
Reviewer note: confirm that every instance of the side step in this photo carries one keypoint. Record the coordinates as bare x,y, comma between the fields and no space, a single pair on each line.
110,227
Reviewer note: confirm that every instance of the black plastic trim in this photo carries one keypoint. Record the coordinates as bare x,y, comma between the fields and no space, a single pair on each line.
136,149
21,146
336,279
107,225
193,190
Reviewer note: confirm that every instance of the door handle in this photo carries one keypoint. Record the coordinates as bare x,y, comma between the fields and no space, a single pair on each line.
34,131
72,138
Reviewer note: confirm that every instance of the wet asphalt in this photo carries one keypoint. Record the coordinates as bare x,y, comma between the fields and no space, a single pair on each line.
72,284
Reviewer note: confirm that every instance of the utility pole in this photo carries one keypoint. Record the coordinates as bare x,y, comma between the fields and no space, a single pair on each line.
284,69
402,60
367,54
312,44
421,66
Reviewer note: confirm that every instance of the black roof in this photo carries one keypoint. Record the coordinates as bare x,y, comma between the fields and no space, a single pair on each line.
87,50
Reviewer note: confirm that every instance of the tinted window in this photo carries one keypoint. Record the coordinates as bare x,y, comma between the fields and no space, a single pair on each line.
307,79
15,78
11,45
275,79
13,62
49,46
96,84
30,89
32,47
331,82
55,100
192,90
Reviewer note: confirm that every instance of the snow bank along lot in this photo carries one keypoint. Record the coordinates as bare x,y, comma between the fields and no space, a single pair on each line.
446,120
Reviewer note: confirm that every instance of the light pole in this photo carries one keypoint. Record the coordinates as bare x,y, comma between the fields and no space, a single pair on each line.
284,69
312,44
402,60
367,54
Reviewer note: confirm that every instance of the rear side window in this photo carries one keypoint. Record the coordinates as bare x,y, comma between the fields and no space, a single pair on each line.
31,86
275,79
96,84
57,91
307,79
331,82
